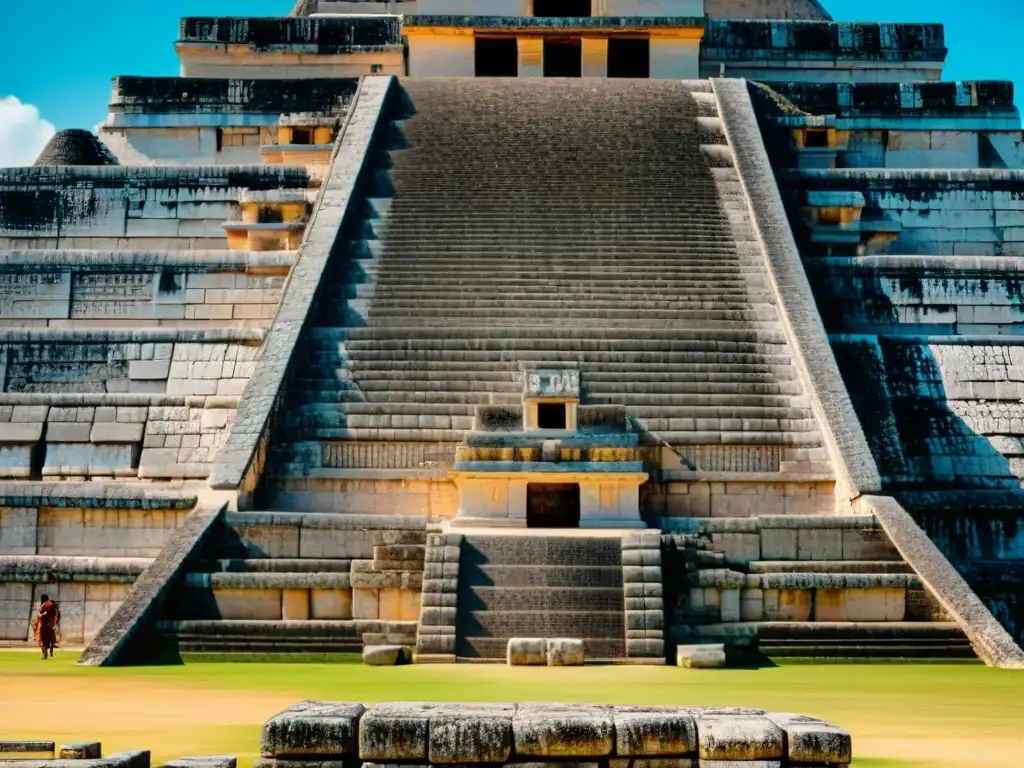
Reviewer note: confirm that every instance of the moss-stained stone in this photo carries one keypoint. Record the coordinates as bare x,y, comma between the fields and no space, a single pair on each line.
395,732
313,728
563,730
471,733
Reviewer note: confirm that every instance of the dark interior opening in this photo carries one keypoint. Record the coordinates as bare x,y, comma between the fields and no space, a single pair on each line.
496,57
561,8
552,505
629,57
269,215
563,57
302,135
816,139
551,415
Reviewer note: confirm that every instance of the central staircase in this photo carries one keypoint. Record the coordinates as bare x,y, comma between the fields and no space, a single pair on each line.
540,586
530,220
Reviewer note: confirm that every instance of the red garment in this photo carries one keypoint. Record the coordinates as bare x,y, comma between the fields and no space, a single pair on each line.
47,623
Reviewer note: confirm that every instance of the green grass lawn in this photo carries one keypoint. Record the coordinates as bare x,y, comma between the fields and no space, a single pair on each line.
901,716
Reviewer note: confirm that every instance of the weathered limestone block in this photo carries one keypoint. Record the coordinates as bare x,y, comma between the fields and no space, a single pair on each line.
26,747
652,731
81,750
873,604
707,656
330,603
737,737
813,741
565,652
527,651
295,604
788,604
471,733
211,761
563,730
16,460
328,728
386,655
395,731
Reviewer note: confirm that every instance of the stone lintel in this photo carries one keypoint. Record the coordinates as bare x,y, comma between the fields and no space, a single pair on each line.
594,26
544,472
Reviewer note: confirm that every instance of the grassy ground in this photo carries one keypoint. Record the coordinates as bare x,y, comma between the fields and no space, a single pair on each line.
901,716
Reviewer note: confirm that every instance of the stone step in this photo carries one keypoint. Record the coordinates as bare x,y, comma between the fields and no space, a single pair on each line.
540,550
733,291
542,623
676,437
740,294
508,311
669,404
397,238
261,565
531,576
640,405
838,640
519,598
686,269
830,566
701,361
580,245
513,217
367,388
723,339
712,372
382,376
516,226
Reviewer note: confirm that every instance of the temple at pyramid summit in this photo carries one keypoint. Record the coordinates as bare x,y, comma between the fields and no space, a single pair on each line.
639,331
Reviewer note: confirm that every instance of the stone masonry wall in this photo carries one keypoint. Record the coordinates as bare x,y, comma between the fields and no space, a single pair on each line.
118,403
122,206
959,213
90,289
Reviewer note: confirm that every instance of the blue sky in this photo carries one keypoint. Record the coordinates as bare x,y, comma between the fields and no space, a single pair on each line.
60,55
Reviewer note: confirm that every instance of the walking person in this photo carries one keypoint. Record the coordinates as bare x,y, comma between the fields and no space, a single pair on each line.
47,625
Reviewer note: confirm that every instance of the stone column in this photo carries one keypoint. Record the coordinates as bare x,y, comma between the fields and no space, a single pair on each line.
595,57
611,501
441,55
675,57
531,56
491,499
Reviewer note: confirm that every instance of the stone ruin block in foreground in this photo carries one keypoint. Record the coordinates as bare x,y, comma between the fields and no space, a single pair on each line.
312,734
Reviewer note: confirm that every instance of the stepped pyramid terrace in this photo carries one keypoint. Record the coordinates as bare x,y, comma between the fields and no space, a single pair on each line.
617,331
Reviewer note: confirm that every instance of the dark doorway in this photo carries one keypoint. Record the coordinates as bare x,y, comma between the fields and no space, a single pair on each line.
552,505
629,57
496,57
563,57
551,415
561,8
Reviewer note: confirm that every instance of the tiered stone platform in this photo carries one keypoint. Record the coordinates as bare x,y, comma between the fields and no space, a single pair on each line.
302,350
923,322
424,733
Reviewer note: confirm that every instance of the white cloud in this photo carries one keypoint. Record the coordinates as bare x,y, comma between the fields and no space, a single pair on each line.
23,133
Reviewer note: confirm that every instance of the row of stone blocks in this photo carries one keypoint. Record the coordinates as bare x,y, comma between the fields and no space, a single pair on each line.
541,652
435,638
421,733
89,754
641,585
